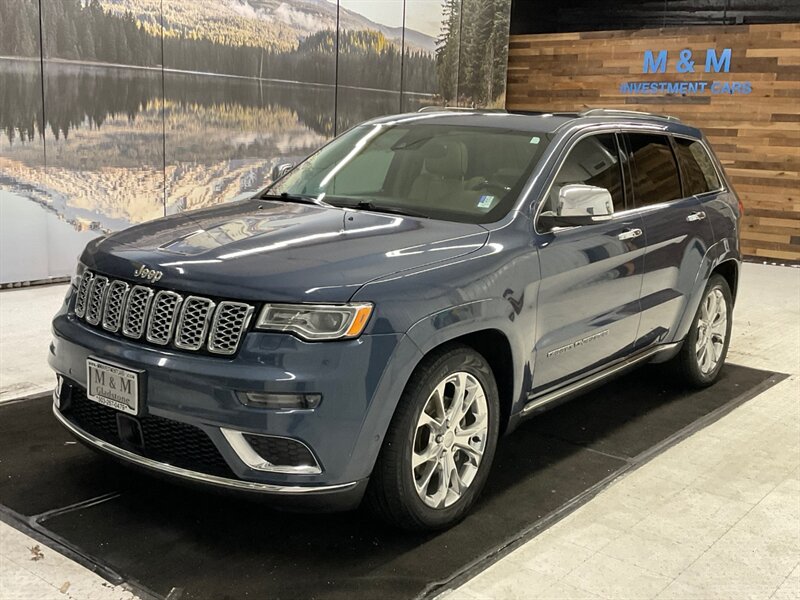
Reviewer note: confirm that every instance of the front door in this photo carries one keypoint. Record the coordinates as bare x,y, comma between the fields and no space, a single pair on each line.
591,274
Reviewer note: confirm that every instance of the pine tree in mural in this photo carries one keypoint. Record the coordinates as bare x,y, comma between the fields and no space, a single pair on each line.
447,50
19,28
472,50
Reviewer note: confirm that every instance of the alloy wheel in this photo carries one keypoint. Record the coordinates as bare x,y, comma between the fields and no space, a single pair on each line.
450,440
712,328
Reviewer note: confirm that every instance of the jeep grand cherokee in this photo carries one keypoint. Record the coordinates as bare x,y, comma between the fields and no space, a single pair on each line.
369,324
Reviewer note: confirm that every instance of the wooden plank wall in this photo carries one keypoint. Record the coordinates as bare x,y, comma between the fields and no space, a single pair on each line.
756,136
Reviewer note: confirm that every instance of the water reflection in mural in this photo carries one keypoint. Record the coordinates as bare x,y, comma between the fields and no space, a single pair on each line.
108,137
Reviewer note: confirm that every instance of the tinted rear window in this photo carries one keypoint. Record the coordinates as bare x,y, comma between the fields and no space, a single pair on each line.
699,174
655,173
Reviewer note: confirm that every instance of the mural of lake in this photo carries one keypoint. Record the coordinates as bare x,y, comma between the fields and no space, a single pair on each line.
97,134
106,136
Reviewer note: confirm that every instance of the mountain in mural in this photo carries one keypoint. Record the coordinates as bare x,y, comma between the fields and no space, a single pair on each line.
273,24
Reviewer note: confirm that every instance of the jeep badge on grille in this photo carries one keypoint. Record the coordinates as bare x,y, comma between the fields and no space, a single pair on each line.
150,274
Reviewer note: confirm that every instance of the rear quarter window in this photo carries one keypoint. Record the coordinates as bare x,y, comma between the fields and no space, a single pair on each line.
654,170
699,174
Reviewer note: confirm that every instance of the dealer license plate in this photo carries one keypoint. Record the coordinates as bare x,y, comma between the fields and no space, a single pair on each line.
112,386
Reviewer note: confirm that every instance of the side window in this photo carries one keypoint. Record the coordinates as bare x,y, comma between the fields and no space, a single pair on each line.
699,174
593,161
655,173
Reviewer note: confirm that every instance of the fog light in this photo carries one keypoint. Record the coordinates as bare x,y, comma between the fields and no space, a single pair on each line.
282,401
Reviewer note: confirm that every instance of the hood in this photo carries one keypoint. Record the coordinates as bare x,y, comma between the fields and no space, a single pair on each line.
261,250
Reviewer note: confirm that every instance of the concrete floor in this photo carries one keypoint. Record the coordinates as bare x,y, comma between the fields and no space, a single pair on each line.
25,315
717,516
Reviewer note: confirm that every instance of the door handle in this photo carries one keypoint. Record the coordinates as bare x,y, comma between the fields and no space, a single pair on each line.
629,234
696,216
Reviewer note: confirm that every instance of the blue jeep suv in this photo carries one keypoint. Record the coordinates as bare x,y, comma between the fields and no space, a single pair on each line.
368,325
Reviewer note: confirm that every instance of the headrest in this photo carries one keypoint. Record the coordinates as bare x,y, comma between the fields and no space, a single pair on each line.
446,159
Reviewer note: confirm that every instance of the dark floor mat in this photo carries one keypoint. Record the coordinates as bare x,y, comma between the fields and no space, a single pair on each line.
206,545
42,467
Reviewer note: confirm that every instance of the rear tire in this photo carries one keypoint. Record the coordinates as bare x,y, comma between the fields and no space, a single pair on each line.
703,353
440,444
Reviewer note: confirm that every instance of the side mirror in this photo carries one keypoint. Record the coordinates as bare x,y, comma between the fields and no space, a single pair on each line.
280,170
579,204
578,200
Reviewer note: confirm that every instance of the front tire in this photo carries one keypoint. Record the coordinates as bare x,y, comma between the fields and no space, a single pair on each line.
704,350
440,444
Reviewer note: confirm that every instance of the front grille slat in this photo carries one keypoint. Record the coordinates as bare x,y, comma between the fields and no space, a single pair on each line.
115,303
162,317
82,295
230,321
193,323
97,297
136,309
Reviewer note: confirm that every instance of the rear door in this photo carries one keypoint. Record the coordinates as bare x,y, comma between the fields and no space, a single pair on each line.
701,179
677,234
591,275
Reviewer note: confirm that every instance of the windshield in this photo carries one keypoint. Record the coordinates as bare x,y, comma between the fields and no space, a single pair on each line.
456,173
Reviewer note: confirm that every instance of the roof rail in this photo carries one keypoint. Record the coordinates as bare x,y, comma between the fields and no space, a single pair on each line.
611,112
459,108
434,108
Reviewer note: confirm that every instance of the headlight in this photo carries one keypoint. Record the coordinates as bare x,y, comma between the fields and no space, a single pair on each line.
316,321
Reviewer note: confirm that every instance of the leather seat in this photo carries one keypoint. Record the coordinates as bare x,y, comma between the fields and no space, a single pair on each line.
442,178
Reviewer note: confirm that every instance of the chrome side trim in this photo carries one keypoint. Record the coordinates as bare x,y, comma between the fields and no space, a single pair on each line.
194,475
255,461
597,377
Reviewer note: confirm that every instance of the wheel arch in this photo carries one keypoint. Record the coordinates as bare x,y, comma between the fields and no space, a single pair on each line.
495,346
729,270
718,260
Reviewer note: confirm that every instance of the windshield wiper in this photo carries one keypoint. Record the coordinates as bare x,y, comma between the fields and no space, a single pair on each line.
372,207
296,198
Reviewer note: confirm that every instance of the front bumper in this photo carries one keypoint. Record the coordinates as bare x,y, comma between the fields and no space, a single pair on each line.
341,496
360,382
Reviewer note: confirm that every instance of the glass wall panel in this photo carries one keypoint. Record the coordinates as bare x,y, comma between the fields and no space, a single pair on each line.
427,60
103,107
245,90
369,62
39,239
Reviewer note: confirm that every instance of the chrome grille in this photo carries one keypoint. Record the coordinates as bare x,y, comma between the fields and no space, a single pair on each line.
136,311
230,320
82,294
115,302
97,296
193,323
162,317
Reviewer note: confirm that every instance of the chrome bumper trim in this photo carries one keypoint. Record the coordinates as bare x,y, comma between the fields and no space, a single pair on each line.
256,462
194,475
